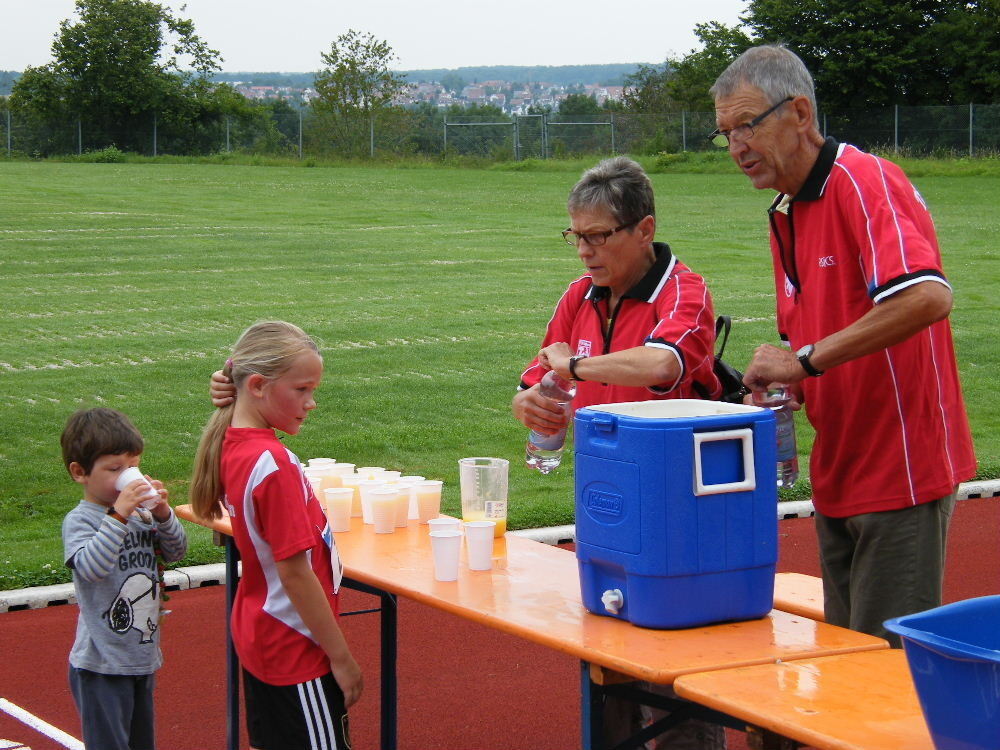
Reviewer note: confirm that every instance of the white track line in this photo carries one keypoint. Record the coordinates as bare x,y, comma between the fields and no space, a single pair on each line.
66,740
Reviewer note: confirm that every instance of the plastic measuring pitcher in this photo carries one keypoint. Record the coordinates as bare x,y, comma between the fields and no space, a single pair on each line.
484,491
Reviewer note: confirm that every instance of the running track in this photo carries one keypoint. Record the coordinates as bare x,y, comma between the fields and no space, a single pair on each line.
461,685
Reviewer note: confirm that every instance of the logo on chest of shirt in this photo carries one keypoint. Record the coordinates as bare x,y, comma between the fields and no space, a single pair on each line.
583,348
827,261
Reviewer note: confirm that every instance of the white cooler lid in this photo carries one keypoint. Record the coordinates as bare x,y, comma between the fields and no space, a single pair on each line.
676,408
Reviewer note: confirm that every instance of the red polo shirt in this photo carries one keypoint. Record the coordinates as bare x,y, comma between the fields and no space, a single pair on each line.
670,308
891,427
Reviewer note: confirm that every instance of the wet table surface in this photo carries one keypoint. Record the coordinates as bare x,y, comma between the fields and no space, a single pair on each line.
533,591
858,701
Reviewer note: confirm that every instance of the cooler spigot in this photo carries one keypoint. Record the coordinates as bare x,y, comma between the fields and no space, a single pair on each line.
613,600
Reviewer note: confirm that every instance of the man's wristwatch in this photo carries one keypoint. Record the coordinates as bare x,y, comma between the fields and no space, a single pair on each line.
803,355
572,366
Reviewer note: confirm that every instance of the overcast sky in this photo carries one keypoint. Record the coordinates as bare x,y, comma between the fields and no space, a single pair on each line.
289,35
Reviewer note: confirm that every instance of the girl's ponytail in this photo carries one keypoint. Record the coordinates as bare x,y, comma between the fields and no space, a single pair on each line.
267,349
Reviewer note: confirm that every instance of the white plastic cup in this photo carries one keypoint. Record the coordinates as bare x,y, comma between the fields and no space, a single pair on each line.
387,476
353,481
479,543
445,524
447,547
318,462
338,507
428,495
317,484
342,468
128,476
383,504
412,479
403,502
366,488
369,472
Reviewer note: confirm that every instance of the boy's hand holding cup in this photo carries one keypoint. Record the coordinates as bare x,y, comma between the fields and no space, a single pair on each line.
135,488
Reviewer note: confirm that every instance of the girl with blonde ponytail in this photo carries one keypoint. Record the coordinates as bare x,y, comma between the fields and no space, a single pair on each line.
299,676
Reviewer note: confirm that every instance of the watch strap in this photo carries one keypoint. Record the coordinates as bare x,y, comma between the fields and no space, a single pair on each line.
572,366
803,356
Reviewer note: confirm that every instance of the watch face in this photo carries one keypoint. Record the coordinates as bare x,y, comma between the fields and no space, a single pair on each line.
805,351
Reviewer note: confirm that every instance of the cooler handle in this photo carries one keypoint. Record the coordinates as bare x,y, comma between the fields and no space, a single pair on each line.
745,436
604,422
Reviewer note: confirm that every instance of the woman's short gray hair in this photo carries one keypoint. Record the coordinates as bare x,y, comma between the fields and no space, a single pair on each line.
774,69
619,185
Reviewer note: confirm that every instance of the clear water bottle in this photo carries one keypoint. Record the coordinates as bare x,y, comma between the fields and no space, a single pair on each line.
544,452
776,399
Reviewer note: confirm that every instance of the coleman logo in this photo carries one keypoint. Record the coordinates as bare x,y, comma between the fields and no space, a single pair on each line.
826,261
604,502
583,348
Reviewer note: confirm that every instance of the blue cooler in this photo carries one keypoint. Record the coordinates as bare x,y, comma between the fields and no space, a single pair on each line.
676,511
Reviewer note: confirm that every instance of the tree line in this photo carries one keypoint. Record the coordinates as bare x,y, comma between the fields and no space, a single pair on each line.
124,67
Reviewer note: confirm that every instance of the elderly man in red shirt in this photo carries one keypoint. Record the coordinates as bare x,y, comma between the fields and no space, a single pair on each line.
863,302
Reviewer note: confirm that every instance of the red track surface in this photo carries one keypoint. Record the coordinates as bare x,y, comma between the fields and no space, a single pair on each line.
461,685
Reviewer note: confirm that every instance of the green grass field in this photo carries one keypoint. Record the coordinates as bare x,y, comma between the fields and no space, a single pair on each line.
428,288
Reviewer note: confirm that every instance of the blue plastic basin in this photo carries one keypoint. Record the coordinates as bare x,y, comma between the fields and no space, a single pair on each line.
954,657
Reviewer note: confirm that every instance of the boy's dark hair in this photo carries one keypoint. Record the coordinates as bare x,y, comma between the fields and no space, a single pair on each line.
92,433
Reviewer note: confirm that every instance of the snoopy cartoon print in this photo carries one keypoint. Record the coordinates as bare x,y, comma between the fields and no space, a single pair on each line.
135,607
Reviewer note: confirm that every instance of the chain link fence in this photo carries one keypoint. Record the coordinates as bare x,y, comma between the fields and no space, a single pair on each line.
970,130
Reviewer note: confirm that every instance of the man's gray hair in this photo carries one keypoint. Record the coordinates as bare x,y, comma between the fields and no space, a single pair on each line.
619,185
774,69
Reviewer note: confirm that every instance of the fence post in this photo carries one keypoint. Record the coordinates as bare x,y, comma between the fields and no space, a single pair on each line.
227,134
300,133
154,134
8,134
613,149
684,130
970,129
545,136
517,140
79,137
371,136
895,128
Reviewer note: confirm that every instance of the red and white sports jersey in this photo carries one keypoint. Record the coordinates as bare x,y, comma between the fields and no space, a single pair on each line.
891,427
275,516
670,308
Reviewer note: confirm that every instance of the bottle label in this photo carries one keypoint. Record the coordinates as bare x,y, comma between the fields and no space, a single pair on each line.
496,510
786,438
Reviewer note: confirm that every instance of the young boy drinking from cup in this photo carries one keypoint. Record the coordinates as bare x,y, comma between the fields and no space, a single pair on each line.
111,544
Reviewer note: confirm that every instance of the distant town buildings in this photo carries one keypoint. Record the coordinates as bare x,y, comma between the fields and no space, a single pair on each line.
512,98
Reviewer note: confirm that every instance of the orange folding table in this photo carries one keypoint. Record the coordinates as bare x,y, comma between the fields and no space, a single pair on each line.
533,591
858,701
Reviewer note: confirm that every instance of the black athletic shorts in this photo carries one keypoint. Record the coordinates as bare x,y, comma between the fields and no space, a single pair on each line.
308,716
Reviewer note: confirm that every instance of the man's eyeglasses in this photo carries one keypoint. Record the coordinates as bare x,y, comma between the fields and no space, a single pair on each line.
742,133
594,239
